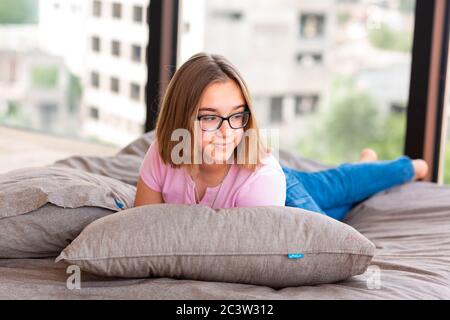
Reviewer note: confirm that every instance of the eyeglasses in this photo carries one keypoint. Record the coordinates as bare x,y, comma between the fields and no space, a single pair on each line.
214,122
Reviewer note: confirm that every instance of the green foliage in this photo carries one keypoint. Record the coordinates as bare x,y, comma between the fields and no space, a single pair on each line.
352,122
44,77
74,94
13,110
14,115
407,6
390,139
343,17
386,38
18,12
447,163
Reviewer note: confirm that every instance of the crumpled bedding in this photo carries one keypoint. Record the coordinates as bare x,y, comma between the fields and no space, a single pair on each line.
409,224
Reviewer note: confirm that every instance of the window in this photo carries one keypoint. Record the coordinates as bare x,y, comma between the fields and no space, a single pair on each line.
186,27
309,59
398,107
114,85
136,53
8,69
311,25
115,48
303,57
306,104
93,113
276,109
135,91
95,42
314,103
317,58
299,110
96,8
48,114
117,10
229,15
137,14
95,79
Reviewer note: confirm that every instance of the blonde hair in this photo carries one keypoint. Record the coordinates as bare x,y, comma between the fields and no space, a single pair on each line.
180,103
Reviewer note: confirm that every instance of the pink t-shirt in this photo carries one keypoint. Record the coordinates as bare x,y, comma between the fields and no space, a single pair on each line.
265,186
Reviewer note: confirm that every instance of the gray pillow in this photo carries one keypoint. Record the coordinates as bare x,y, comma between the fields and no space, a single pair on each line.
46,231
124,166
139,146
27,189
42,208
272,246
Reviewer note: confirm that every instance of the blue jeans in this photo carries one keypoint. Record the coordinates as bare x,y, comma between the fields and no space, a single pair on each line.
334,192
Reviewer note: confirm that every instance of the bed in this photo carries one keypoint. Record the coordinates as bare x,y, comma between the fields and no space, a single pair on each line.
409,224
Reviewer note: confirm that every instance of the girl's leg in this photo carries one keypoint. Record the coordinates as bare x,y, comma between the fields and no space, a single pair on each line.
351,183
298,197
296,194
339,213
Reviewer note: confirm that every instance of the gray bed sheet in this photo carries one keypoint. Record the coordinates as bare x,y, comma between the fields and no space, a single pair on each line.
409,224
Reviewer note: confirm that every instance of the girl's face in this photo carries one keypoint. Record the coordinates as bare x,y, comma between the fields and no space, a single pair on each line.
222,99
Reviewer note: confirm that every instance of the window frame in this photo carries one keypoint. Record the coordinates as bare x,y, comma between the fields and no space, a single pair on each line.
161,54
428,86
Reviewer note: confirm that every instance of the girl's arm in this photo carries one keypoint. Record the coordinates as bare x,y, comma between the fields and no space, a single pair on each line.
146,195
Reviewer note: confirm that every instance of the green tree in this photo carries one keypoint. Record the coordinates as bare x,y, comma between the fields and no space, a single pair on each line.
14,115
407,6
44,77
353,122
74,94
447,163
18,11
386,38
389,141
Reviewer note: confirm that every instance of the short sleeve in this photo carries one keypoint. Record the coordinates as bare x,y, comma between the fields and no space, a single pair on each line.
151,168
267,188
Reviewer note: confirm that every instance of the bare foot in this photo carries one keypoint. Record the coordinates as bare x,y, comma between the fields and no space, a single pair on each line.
368,155
420,169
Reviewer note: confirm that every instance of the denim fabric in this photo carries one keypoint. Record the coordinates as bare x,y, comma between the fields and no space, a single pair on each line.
335,191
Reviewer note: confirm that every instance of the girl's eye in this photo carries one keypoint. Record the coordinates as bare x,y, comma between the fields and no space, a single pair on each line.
209,118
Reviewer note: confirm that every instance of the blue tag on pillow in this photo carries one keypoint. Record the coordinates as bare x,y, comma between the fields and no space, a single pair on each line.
295,255
119,204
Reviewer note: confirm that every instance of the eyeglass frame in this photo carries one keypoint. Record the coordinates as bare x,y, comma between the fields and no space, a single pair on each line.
222,119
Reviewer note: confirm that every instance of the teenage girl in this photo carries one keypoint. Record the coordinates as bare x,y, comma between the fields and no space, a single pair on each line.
207,150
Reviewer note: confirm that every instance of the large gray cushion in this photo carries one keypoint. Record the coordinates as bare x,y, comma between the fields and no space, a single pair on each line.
124,166
43,208
246,245
27,189
46,231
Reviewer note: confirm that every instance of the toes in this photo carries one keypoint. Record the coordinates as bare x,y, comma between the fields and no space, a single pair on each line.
368,154
421,168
